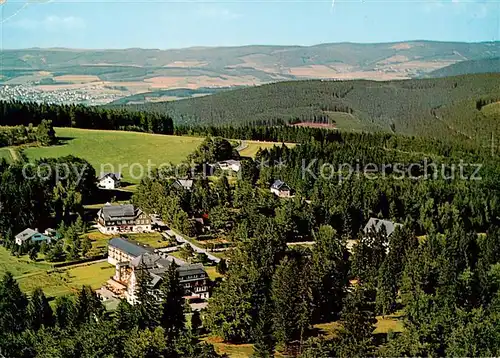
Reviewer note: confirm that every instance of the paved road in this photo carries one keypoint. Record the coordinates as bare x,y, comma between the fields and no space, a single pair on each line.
198,249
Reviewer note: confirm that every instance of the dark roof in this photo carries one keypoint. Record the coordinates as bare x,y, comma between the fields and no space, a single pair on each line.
280,185
377,224
150,260
193,269
129,247
114,176
118,212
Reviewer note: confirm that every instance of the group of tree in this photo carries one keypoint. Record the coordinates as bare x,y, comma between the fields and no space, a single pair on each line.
43,134
80,326
45,194
15,113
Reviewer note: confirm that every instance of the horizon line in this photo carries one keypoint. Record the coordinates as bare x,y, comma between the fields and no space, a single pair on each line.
248,45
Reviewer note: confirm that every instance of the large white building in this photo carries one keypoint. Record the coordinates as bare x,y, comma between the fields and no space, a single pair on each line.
114,219
129,257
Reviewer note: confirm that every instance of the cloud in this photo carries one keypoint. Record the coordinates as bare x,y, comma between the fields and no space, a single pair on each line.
217,13
50,23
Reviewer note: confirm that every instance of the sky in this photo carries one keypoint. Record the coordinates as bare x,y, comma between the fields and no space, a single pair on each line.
165,24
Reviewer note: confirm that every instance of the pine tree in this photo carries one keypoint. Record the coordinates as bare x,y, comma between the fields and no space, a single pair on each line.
39,310
13,306
358,323
172,292
88,306
65,312
146,303
196,322
125,316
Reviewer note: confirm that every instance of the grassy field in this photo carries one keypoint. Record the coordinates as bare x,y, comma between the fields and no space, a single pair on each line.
153,239
31,275
5,154
254,146
131,150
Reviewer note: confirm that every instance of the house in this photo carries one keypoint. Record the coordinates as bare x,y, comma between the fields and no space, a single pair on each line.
192,277
183,184
377,225
281,189
112,219
122,250
231,164
35,236
109,180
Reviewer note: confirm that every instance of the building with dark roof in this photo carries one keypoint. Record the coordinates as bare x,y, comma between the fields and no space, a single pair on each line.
113,219
192,277
281,189
380,224
123,250
109,180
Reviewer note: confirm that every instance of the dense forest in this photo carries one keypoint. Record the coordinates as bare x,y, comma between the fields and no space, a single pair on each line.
486,65
439,271
431,107
18,113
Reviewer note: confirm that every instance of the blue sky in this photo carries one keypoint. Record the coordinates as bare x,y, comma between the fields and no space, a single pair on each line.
167,24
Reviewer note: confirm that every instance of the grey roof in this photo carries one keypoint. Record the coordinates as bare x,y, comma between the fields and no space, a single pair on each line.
158,266
192,269
118,212
185,183
114,176
377,224
150,260
26,234
230,162
280,185
129,247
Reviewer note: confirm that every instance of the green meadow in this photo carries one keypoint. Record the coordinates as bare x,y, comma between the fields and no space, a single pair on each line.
131,150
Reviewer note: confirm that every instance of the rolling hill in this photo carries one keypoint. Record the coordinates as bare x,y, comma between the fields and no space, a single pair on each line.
443,107
122,73
487,65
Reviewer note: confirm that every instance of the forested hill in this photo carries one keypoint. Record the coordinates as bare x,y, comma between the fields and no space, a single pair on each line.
487,65
444,107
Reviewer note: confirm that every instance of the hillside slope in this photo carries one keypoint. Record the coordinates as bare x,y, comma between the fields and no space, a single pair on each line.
487,65
432,107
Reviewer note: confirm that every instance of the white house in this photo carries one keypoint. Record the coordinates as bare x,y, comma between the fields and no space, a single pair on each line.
231,164
109,180
281,189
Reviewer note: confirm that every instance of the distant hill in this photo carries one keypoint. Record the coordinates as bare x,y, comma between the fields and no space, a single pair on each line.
432,107
259,64
487,65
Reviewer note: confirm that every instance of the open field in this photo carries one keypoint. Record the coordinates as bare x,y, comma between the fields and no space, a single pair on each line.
253,147
5,154
31,275
112,149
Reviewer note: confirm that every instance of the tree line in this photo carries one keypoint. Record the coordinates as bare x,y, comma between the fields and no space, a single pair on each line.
79,116
43,134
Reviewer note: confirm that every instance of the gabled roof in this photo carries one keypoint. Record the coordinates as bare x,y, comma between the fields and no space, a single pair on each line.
26,234
129,247
184,183
150,260
192,269
280,185
377,224
117,212
114,176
